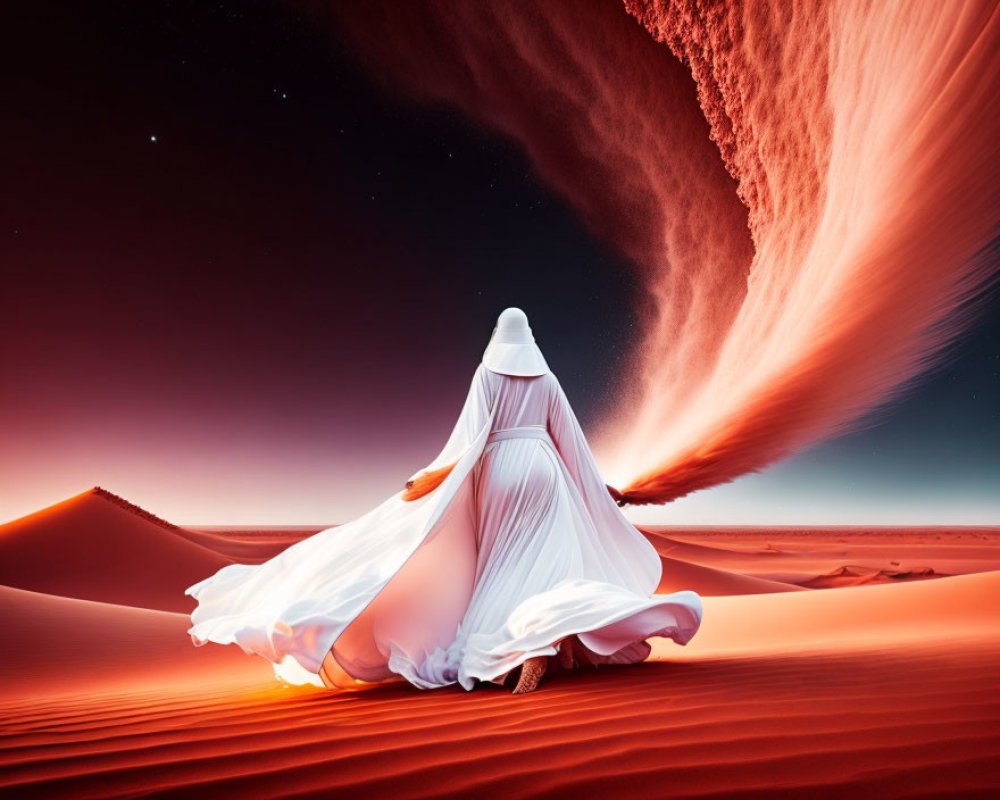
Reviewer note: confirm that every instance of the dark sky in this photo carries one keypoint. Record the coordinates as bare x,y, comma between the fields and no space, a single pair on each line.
242,284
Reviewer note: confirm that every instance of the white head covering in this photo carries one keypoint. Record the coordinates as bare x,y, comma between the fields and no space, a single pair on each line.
512,349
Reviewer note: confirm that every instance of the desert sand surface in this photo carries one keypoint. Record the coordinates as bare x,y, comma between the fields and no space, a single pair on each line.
248,545
882,679
834,557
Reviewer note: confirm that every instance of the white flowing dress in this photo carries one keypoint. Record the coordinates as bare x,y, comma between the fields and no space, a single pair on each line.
518,550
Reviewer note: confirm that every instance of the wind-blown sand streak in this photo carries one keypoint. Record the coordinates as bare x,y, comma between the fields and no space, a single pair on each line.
808,191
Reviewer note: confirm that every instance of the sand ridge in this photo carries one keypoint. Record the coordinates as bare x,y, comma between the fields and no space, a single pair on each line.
863,683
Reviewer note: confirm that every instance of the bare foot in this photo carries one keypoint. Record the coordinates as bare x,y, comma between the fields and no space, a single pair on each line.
573,654
532,671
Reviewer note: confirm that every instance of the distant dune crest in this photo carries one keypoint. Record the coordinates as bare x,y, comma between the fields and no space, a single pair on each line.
132,507
98,546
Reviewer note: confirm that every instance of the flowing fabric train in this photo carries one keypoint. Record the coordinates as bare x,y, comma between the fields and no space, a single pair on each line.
520,547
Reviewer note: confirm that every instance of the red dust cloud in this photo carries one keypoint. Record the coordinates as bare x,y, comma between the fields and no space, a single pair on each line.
810,213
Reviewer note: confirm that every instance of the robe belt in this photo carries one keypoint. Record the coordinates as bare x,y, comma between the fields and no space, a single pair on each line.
523,432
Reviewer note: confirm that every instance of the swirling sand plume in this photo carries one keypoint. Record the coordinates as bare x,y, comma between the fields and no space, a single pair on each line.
808,190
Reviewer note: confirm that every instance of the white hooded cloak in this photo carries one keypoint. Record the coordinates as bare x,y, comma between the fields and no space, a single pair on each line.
520,547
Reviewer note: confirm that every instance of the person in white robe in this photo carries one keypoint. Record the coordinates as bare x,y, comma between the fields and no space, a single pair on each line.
507,552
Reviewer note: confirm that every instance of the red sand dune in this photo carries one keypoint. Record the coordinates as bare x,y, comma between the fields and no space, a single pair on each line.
711,582
833,557
96,546
875,690
880,691
248,545
948,613
61,645
852,575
